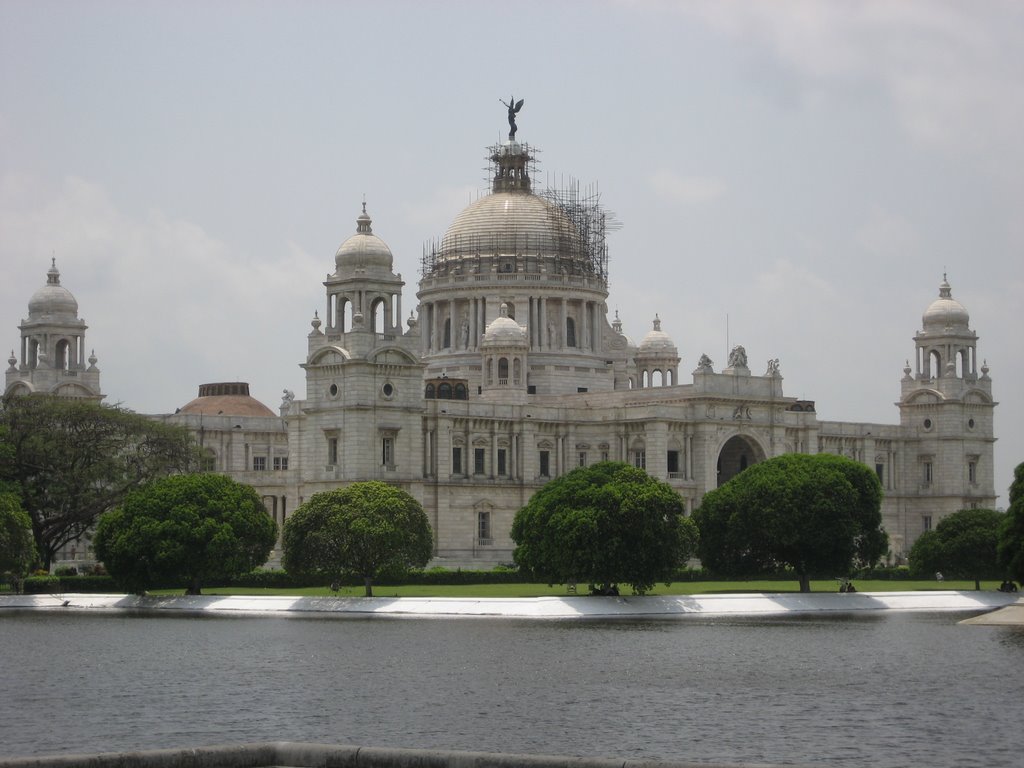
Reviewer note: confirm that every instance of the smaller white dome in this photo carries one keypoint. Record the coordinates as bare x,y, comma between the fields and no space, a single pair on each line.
364,250
945,311
657,342
503,331
52,298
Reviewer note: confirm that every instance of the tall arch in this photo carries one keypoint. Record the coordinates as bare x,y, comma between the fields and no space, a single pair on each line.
735,455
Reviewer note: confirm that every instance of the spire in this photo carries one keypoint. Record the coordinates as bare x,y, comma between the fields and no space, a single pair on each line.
363,222
53,274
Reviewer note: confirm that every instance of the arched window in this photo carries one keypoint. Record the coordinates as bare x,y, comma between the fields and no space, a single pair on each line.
346,315
63,357
935,363
570,332
430,393
447,332
645,380
380,308
657,378
517,371
461,393
503,371
444,391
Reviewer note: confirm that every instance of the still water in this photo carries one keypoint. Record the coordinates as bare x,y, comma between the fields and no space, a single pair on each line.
883,690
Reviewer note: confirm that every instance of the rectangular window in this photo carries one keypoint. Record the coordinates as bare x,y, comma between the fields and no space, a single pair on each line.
501,461
387,451
583,458
208,463
483,527
604,455
545,463
259,463
972,472
927,473
280,462
880,471
926,522
640,459
457,460
478,462
673,462
332,450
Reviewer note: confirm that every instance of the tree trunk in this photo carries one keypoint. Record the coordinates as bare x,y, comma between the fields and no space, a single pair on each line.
194,588
977,585
805,582
368,581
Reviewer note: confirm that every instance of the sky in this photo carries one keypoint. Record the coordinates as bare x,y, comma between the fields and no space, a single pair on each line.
795,177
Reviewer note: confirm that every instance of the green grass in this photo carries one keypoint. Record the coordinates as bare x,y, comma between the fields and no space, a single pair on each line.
540,590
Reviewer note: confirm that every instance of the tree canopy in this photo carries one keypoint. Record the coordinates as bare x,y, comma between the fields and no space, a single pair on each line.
187,529
1010,550
962,546
365,530
71,460
17,549
815,514
605,524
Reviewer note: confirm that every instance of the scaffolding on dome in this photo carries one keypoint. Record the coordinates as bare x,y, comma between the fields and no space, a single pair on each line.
591,222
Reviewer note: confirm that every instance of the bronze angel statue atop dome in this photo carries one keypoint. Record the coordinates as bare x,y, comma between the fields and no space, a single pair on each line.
513,109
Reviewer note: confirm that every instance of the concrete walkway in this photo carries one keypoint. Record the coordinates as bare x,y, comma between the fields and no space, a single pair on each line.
570,607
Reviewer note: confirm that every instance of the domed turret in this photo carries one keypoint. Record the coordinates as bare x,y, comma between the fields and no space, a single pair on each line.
657,358
52,299
657,342
505,332
945,311
364,250
226,399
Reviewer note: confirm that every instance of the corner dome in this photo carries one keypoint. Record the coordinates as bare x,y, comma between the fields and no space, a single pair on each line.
226,399
945,311
503,331
52,298
364,250
657,342
510,223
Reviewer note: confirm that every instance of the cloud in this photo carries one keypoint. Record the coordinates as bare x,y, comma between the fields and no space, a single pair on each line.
686,190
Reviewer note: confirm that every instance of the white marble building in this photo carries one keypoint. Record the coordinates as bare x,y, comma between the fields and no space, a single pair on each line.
510,372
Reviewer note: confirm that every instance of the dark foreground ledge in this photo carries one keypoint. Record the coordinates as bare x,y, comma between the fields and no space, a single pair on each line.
285,754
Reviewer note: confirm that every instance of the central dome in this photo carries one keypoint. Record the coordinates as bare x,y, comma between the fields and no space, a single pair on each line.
510,223
364,250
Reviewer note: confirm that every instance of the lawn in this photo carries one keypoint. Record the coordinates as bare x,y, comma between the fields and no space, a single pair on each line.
560,590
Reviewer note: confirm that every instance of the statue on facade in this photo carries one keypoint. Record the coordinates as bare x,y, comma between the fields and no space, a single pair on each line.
513,109
738,357
288,398
705,364
773,368
464,333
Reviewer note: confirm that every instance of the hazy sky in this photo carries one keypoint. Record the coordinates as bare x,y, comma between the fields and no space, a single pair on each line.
807,169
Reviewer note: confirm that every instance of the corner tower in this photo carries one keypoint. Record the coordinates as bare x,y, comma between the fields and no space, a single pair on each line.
946,412
52,358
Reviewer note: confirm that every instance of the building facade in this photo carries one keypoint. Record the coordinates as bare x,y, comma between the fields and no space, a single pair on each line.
510,372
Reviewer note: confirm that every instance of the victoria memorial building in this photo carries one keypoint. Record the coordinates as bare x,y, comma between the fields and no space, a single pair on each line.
510,372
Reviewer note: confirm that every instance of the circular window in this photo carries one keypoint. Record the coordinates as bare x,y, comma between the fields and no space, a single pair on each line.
970,423
388,390
927,423
333,390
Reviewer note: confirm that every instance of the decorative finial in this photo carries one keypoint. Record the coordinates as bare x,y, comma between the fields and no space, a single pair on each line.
657,322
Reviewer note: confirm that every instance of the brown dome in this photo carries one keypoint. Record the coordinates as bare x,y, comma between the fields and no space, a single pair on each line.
226,399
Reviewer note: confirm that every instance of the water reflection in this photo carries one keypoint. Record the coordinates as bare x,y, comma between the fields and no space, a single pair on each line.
881,690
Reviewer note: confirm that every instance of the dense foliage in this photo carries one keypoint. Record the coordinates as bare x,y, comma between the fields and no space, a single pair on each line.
606,524
1011,535
69,461
185,529
819,515
962,546
17,549
364,529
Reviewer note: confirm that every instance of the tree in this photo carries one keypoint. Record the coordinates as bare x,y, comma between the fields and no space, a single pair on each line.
17,549
1010,551
72,460
188,529
605,524
962,546
364,530
817,514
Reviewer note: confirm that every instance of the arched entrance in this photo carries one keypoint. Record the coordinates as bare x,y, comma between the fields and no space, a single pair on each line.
738,453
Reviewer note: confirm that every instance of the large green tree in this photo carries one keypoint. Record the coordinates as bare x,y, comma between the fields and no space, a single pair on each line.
962,546
363,530
185,529
1011,535
815,514
17,549
72,460
606,524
